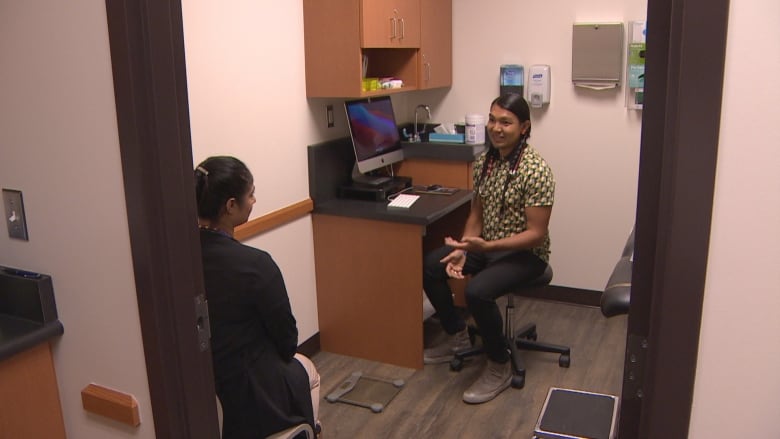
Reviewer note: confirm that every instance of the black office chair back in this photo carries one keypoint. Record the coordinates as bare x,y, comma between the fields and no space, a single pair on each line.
616,297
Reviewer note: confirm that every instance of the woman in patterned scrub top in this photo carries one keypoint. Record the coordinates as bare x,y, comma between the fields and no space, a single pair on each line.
505,243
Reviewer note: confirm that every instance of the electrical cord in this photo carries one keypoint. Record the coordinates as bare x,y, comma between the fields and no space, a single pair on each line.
392,196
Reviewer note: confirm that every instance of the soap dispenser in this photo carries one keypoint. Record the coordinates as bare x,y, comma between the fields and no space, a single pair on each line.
539,85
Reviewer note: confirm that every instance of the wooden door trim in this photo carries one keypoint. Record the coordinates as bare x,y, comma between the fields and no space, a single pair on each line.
150,88
686,46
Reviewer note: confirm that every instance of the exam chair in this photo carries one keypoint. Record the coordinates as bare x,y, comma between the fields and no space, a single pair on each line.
617,294
524,338
290,433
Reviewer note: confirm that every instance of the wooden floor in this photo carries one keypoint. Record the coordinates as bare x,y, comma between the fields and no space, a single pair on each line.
430,404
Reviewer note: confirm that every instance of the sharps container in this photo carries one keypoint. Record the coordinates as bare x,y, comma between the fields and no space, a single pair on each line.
475,129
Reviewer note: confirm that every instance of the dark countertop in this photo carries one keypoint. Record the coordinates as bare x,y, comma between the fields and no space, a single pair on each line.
17,335
442,151
424,211
28,313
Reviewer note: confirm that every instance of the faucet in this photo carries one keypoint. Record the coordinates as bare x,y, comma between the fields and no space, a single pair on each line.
416,134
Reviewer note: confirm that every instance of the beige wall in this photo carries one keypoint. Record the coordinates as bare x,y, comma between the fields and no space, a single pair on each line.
247,91
737,392
59,145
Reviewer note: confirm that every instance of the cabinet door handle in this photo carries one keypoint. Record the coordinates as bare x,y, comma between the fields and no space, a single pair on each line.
393,22
403,29
427,72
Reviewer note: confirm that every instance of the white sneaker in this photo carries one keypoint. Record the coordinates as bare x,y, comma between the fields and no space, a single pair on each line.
446,350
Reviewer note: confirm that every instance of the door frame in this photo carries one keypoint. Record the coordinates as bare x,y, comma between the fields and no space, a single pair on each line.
150,88
679,141
686,47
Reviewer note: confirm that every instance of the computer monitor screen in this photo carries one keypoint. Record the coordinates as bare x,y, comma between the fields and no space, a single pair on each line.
374,133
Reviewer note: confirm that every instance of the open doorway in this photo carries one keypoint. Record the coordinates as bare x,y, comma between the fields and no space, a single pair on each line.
677,164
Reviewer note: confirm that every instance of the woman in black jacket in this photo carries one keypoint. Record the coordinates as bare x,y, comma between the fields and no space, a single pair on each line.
263,385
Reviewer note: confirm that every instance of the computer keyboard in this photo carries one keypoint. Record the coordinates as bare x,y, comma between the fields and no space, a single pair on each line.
403,201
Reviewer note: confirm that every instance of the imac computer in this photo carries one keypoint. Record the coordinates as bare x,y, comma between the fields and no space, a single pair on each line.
375,138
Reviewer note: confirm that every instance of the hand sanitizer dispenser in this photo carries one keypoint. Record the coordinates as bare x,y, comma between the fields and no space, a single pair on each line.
539,85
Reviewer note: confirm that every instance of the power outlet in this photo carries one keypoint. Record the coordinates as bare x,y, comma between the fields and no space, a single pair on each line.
329,116
15,219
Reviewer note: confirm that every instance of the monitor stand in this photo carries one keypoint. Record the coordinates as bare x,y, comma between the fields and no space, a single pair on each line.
370,180
370,188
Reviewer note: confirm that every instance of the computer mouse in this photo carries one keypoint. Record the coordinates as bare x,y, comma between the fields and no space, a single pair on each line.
433,187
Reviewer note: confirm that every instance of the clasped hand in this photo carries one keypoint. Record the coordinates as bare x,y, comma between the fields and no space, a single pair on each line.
457,258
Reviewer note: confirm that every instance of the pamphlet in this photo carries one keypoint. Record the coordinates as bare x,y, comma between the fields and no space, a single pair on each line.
636,65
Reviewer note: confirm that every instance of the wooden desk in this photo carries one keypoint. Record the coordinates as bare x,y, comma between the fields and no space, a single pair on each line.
29,401
29,396
368,261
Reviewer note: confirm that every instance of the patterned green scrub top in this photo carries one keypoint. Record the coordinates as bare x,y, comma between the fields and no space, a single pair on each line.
532,184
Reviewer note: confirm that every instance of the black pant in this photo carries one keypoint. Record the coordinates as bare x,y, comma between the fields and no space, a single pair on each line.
492,275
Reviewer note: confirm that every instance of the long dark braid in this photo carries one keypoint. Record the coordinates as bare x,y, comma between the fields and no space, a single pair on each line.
491,156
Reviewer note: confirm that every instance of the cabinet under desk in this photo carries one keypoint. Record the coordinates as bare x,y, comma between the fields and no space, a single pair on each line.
369,277
368,260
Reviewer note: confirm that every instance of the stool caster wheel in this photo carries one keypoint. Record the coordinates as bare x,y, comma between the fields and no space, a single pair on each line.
518,381
564,360
456,364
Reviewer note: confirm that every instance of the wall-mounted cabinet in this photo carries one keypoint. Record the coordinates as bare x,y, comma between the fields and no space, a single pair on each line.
435,44
410,40
391,23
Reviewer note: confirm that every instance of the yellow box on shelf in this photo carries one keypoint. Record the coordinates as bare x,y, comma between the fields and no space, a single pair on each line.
370,84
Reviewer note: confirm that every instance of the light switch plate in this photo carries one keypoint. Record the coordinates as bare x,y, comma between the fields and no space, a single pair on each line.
15,219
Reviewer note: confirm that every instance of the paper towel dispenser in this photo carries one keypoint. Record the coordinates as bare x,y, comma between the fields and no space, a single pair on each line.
597,55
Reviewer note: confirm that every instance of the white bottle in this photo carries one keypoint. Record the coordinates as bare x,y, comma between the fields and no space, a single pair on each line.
475,129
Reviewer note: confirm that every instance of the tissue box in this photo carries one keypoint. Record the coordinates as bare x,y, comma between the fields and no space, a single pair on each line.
446,138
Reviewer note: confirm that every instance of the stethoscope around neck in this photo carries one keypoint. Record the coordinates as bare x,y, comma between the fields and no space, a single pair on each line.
514,163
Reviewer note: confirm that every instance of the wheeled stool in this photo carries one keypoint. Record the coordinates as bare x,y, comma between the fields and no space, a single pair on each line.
523,339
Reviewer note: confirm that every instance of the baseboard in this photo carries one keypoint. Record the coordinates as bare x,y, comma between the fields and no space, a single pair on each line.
311,346
575,296
555,293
